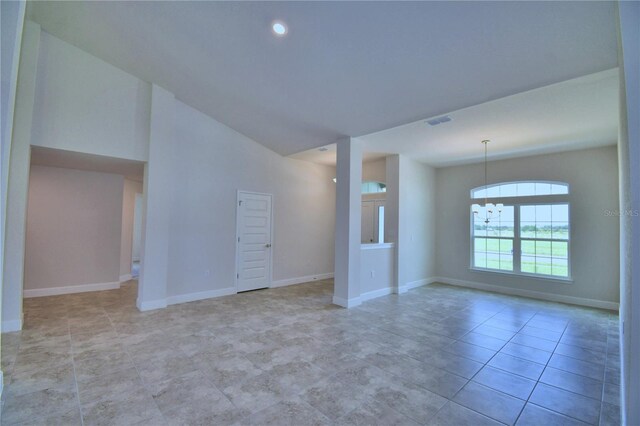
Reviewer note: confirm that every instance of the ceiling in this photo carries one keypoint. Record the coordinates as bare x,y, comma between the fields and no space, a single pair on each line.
578,113
345,68
130,169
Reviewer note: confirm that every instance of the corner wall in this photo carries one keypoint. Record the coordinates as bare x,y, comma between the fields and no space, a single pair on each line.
417,223
410,214
592,176
73,231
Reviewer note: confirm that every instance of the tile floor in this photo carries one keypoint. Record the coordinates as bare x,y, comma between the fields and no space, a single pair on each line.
436,355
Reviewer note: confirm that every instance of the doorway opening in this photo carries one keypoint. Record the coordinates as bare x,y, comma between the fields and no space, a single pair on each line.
80,219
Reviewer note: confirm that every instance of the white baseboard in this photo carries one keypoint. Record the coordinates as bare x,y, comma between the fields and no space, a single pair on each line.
192,297
125,278
376,293
420,283
414,284
151,304
82,288
347,303
300,280
10,326
592,303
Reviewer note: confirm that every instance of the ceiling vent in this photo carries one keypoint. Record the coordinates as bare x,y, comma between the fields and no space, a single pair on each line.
438,120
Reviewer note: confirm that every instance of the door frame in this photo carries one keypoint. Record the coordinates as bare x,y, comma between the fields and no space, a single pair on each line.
237,263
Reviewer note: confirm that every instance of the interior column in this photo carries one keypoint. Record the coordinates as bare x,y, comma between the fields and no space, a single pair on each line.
392,222
156,204
346,290
18,179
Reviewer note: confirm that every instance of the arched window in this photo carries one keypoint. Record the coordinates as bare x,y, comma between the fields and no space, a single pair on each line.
520,189
521,228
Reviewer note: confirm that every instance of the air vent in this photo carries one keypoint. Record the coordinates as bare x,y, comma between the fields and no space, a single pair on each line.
438,120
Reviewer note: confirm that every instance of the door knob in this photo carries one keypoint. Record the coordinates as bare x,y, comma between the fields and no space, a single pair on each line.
267,245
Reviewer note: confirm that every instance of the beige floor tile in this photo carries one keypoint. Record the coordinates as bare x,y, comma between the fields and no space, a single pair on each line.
288,356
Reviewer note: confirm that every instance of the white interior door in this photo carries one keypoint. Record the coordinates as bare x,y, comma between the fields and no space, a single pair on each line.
254,241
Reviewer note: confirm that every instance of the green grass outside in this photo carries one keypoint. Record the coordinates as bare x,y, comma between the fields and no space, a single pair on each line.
552,257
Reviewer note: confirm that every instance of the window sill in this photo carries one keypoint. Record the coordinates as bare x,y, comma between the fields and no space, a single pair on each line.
562,280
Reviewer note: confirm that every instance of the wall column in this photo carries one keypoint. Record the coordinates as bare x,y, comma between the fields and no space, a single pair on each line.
157,192
19,159
629,170
346,291
392,217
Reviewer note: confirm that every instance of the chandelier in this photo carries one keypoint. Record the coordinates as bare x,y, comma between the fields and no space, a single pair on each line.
491,210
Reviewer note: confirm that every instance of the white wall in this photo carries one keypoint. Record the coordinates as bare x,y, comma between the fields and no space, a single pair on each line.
375,171
410,220
131,188
376,270
211,163
629,174
73,228
592,175
417,224
84,104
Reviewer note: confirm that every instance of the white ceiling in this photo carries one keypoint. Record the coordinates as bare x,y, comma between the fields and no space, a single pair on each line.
345,68
130,169
579,113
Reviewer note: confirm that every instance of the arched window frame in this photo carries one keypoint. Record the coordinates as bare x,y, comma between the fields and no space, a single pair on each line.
476,193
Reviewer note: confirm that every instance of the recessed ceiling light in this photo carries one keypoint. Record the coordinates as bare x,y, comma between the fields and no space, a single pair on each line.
279,28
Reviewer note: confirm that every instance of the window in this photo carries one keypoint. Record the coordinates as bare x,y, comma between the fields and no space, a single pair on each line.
373,187
527,232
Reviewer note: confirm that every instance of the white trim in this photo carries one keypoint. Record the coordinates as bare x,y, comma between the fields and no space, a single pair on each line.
560,280
70,289
1,383
192,297
151,305
9,326
301,280
125,278
414,284
530,293
350,303
376,293
420,283
375,246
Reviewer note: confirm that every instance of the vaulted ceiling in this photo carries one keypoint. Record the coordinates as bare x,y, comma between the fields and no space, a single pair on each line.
345,68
